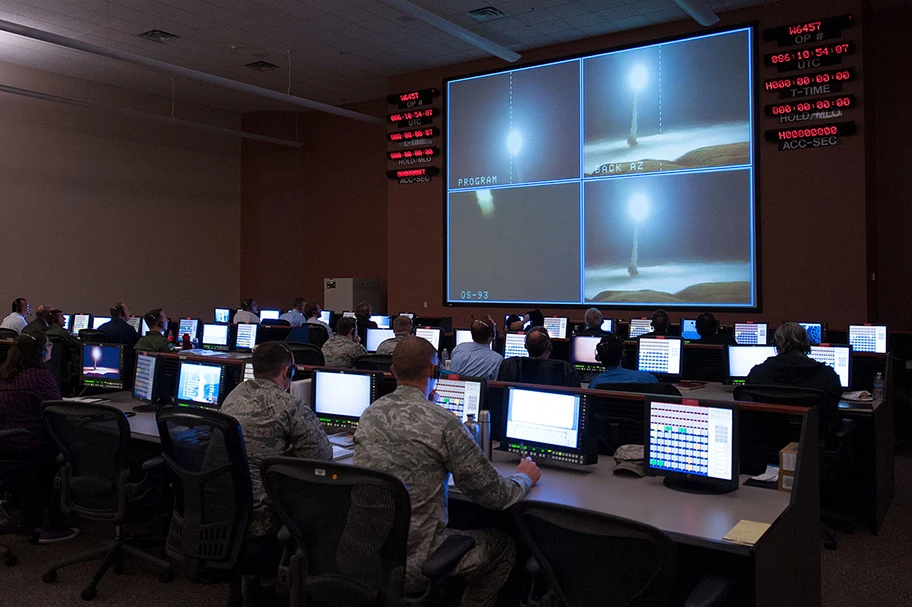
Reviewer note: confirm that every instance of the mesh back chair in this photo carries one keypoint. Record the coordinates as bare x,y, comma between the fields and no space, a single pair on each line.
12,474
275,322
374,362
317,334
347,531
8,334
299,335
96,483
94,336
306,354
541,371
661,388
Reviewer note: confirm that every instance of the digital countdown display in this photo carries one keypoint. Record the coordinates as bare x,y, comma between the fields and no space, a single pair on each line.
799,138
427,153
400,136
414,117
842,102
809,31
410,99
809,58
414,146
417,175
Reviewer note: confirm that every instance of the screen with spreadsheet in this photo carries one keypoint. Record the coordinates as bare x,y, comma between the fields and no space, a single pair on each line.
375,337
556,326
837,357
432,334
200,384
215,335
465,336
97,321
607,325
689,329
136,323
582,349
246,336
80,322
539,416
662,356
383,322
340,393
460,396
188,326
640,326
868,338
515,345
693,439
144,379
222,315
750,333
248,371
325,315
741,359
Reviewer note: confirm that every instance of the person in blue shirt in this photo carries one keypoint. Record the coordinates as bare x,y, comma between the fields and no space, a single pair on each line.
119,326
609,352
476,358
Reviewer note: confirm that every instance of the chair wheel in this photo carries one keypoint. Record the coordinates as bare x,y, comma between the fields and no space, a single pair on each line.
49,577
165,576
88,593
10,560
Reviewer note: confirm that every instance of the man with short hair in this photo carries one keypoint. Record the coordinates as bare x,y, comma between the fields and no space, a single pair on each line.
610,352
154,340
274,423
17,318
476,358
41,322
119,328
295,316
593,320
70,365
660,324
312,312
421,443
402,328
363,316
248,313
343,348
539,367
708,329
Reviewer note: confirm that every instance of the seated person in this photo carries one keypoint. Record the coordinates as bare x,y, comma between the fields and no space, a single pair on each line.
475,358
593,320
534,317
610,352
363,316
273,423
119,326
421,443
538,367
343,348
154,340
402,328
25,383
295,316
708,329
249,312
16,320
42,316
71,361
660,324
312,312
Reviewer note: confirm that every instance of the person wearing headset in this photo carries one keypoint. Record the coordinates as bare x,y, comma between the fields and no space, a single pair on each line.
249,312
274,423
610,352
17,318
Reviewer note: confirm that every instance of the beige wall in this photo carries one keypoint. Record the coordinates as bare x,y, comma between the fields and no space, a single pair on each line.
96,207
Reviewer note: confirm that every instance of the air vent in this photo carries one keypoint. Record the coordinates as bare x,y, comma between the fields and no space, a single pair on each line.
262,66
487,13
158,36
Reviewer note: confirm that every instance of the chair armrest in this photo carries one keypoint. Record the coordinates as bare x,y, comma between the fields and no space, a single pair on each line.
712,589
13,432
441,562
151,464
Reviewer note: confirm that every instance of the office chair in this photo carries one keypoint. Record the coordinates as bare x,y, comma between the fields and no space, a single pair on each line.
346,531
317,334
94,336
8,334
542,371
68,359
585,558
661,388
275,322
298,335
306,354
205,454
10,472
96,483
374,362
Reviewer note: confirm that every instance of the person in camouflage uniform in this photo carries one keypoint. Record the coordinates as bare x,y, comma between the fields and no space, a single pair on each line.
343,348
421,443
402,328
273,423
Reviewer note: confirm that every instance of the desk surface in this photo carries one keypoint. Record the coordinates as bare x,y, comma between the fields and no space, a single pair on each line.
718,391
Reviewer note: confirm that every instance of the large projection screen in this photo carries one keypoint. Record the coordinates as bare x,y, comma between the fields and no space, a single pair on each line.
623,178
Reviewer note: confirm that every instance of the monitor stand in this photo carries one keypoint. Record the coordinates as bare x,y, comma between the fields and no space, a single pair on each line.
688,486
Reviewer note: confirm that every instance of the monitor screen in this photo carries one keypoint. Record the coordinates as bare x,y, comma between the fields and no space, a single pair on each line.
136,323
145,379
80,322
408,314
246,336
342,393
103,366
188,326
741,359
348,314
215,336
383,322
692,440
750,333
689,329
525,326
543,417
68,322
97,321
607,325
582,349
200,384
815,331
868,338
461,396
248,371
465,336
269,314
326,316
837,357
640,326
661,356
515,345
222,315
377,336
556,326
145,327
432,334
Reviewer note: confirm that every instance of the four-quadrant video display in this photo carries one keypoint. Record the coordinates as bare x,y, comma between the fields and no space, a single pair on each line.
622,178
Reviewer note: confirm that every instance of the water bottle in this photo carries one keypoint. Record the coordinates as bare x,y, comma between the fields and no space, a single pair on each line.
878,392
473,427
484,432
445,359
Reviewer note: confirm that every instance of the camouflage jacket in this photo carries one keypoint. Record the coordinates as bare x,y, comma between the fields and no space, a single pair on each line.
387,346
274,423
341,351
420,443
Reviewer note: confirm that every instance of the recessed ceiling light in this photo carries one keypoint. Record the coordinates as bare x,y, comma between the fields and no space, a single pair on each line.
158,36
486,13
262,66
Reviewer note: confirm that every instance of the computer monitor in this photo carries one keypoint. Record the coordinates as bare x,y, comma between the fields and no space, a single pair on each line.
270,314
147,379
837,357
692,443
215,337
222,315
640,326
349,314
103,366
816,332
80,322
689,329
68,322
607,325
525,326
202,384
97,321
868,338
741,359
432,334
408,314
515,345
188,326
136,323
248,371
659,356
340,396
549,424
556,326
383,322
246,336
465,336
460,395
582,351
751,333
377,336
145,327
326,315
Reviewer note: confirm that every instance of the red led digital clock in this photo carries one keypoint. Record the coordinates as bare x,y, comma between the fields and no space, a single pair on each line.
842,102
410,99
807,31
836,129
829,76
415,134
789,59
416,114
430,152
412,173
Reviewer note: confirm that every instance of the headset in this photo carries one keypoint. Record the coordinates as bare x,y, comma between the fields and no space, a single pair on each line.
609,348
247,303
17,303
290,371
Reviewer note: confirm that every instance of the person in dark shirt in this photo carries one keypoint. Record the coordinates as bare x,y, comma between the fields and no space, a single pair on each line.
593,320
41,322
154,340
534,317
538,367
660,324
708,329
610,352
118,328
363,316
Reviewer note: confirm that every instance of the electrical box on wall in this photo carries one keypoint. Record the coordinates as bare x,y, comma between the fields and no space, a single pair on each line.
341,294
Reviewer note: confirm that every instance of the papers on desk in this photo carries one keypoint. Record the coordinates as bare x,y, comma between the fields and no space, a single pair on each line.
87,399
341,452
770,476
746,533
342,439
689,385
859,396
